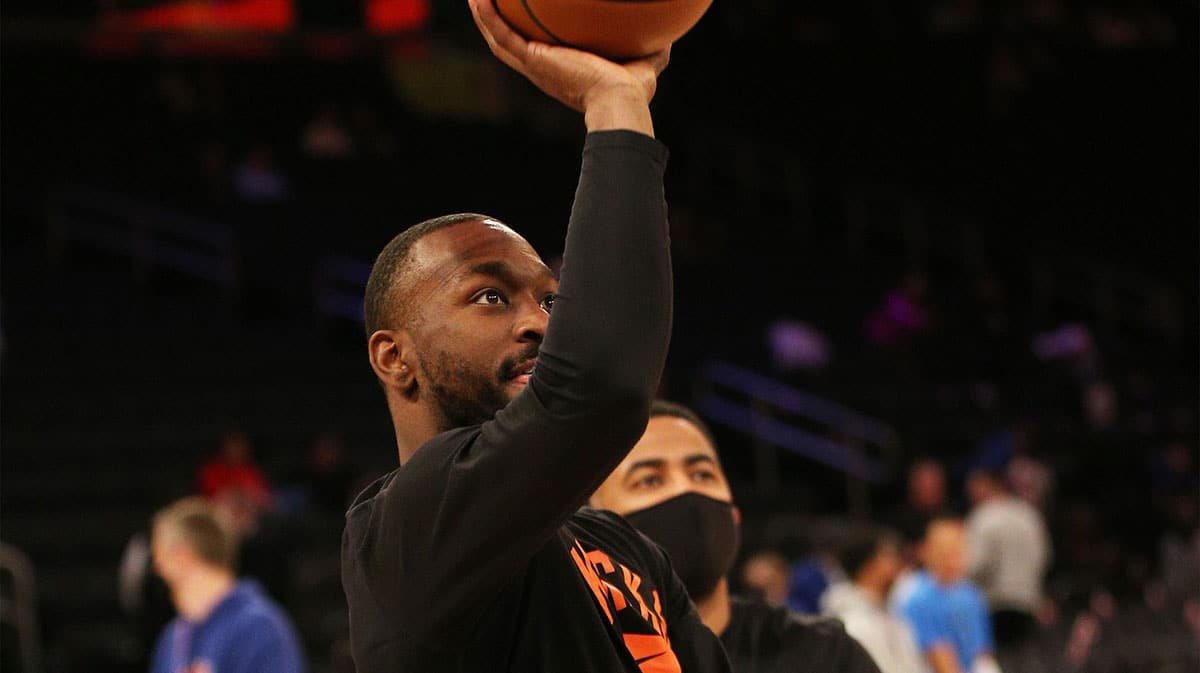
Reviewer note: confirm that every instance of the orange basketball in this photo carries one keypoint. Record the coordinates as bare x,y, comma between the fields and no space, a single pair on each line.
616,29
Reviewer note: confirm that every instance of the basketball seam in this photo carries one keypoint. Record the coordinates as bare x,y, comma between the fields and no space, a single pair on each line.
533,17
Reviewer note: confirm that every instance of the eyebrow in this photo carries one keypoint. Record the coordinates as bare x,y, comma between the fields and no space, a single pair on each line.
657,463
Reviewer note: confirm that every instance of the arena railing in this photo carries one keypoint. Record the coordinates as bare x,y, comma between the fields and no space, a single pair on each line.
338,284
149,235
778,416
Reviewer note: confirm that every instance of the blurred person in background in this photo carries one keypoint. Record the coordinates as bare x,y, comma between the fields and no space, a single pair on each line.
671,487
323,482
223,625
1008,554
325,136
925,500
902,314
258,179
233,467
766,573
946,611
264,541
871,558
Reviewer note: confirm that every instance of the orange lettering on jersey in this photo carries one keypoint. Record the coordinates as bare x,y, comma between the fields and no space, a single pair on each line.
634,582
593,582
652,653
617,596
658,611
601,559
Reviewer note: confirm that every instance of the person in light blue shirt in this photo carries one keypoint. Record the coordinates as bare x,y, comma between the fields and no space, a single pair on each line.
948,613
224,625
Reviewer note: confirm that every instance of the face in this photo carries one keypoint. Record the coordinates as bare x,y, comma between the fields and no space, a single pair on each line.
927,486
888,562
945,552
673,457
481,304
165,553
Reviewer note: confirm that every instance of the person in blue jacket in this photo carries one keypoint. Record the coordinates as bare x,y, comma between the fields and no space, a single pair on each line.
223,625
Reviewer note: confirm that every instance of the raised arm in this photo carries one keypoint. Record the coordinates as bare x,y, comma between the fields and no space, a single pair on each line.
458,523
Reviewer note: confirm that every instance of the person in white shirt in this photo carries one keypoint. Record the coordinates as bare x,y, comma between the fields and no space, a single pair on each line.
871,559
1008,553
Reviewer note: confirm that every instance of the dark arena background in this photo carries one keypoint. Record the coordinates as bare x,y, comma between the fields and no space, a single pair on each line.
953,232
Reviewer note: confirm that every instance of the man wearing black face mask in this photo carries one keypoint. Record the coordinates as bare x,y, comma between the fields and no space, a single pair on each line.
671,487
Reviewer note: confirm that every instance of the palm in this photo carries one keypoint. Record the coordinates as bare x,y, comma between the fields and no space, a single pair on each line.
568,75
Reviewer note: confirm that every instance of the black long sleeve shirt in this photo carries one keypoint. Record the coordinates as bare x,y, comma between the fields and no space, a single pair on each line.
765,639
475,554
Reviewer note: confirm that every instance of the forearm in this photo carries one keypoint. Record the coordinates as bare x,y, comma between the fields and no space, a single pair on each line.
612,319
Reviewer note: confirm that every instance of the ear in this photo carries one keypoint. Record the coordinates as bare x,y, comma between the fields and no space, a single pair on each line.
390,352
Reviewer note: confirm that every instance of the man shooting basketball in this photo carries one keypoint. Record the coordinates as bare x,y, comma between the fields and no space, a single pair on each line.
474,555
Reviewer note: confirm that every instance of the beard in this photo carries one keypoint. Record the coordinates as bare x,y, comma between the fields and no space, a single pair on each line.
465,397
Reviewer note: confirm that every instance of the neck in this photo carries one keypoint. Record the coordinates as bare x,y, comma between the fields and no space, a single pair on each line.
714,608
197,594
414,426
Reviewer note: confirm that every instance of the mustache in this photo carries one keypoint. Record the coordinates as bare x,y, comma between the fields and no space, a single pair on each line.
508,368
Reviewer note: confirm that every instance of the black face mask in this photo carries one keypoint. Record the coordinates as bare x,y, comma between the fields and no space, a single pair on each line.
698,533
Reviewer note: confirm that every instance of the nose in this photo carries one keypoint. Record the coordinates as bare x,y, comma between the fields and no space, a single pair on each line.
532,322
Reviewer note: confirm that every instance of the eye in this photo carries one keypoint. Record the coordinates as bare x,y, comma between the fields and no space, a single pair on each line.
648,481
548,302
703,475
489,297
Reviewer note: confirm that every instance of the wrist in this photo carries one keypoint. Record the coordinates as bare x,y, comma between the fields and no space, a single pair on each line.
618,108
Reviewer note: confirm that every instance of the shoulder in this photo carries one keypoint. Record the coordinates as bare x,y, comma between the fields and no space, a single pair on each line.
611,532
428,460
257,614
788,624
820,642
970,593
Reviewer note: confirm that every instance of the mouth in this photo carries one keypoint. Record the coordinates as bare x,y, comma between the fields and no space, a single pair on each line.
521,373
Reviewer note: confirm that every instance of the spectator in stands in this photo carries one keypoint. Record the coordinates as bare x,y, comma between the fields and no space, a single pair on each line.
870,557
809,578
766,574
902,315
1031,477
325,136
257,179
263,540
233,467
1008,556
325,478
926,500
223,624
946,611
1179,546
671,487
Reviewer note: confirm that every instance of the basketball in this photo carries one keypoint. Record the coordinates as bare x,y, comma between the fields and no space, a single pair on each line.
615,29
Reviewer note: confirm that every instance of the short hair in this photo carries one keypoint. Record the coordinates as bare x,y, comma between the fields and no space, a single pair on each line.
661,407
387,281
197,524
863,543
